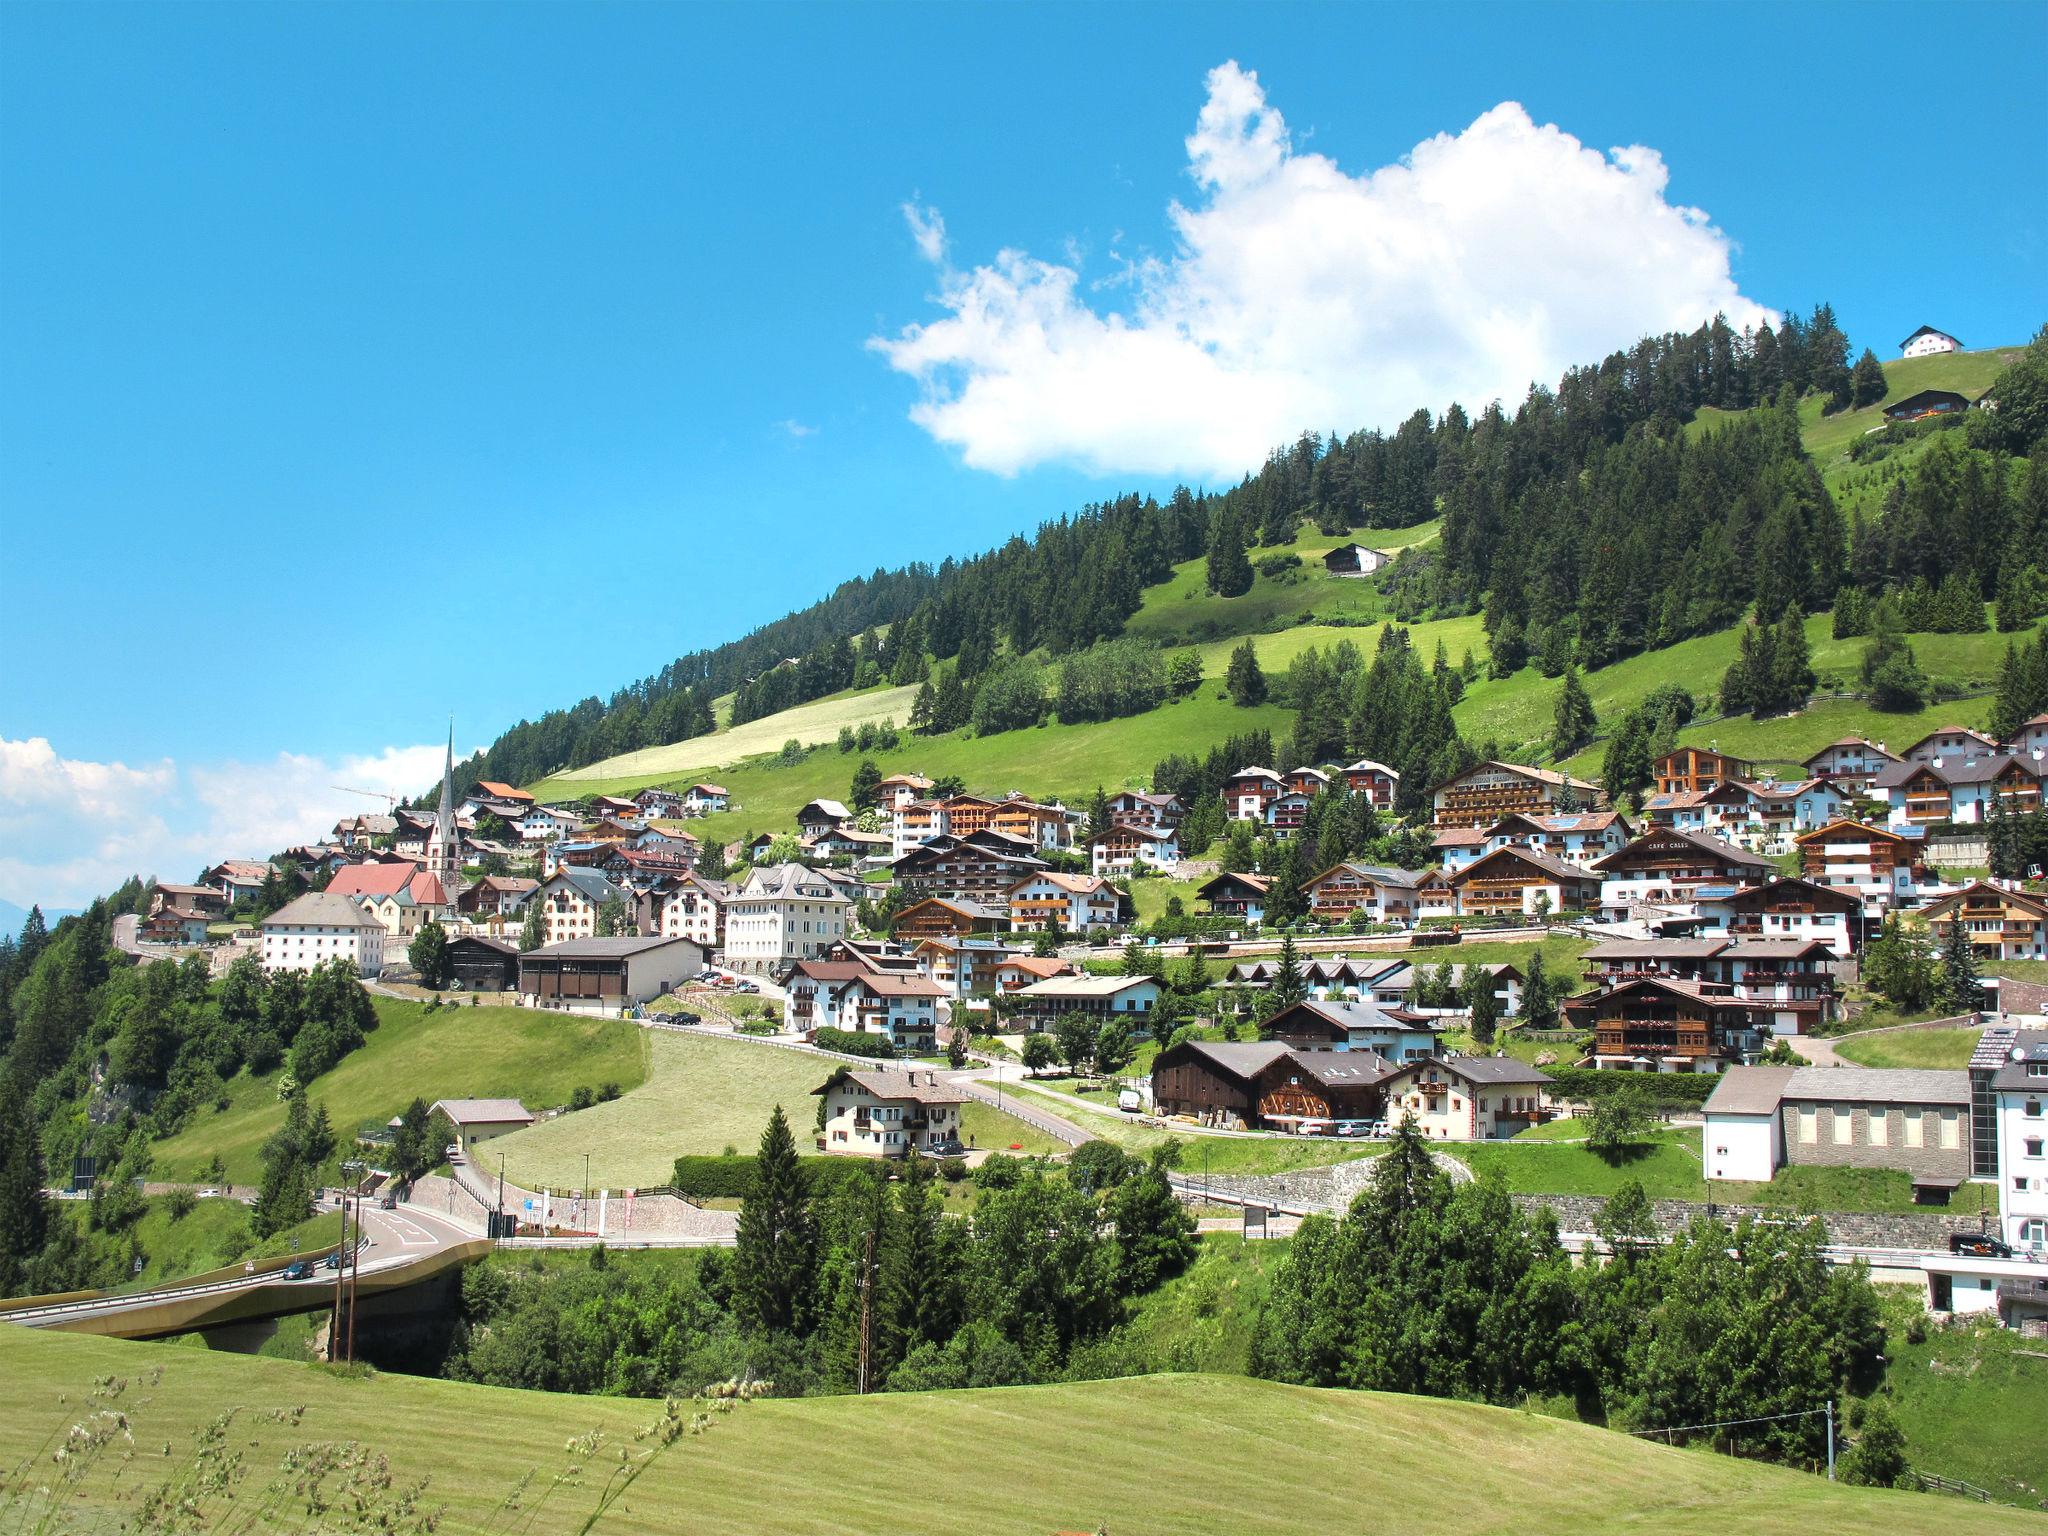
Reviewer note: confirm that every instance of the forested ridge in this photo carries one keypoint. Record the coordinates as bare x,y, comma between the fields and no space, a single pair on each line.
1590,523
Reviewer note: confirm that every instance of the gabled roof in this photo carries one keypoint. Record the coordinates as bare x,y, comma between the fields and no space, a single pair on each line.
1864,743
591,884
2026,901
1354,1016
1845,830
1792,885
788,882
1492,1070
1926,330
484,1111
1749,1091
1547,863
371,879
603,949
321,909
1549,776
1956,772
1712,847
1085,986
504,791
1378,874
919,1087
1260,883
831,808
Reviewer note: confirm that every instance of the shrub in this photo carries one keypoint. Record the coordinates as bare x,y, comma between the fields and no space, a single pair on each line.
607,1093
850,1042
179,1202
582,1098
953,1169
731,1177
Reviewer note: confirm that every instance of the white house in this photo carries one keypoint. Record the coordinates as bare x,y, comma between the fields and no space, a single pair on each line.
1071,903
1132,997
1123,846
784,913
2019,1091
478,1120
880,1112
318,927
1468,1098
570,900
1744,1138
1927,341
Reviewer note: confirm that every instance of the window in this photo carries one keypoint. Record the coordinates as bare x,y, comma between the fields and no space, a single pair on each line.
2033,1109
1809,1125
1915,1135
1880,1126
1845,1125
2033,1146
1951,1130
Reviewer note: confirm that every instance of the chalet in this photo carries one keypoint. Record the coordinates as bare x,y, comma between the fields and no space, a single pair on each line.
1523,882
1248,792
1687,811
169,924
1927,402
1580,837
321,926
1268,1084
687,907
668,840
1123,846
1355,560
899,789
1850,763
1875,863
1285,814
1235,895
479,964
478,1120
203,901
1468,1098
610,829
1394,986
1695,768
1666,865
1045,1003
815,988
1759,1119
1656,1024
1394,1033
662,804
641,869
847,842
1376,781
495,895
413,830
544,823
1455,847
1380,893
1787,985
705,799
818,816
1305,781
1162,812
1040,826
359,832
1959,789
1485,792
1063,903
1951,741
1336,980
984,870
2004,923
883,1112
615,971
914,823
1927,341
571,899
2031,739
1017,971
1788,909
238,880
969,814
613,807
1435,896
488,791
947,917
904,1008
962,967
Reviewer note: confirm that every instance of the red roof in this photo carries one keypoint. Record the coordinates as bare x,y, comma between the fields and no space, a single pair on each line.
371,879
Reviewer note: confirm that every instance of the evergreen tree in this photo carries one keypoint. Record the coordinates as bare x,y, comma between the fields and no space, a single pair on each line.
1892,675
776,1258
1229,570
1574,721
614,919
1245,680
1959,966
1155,1234
533,928
1866,380
920,1282
1288,986
1539,994
24,1209
1877,1458
1900,966
866,787
1484,1006
1791,676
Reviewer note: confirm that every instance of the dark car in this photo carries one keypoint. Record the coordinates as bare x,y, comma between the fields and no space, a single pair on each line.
298,1269
1981,1245
684,1016
332,1261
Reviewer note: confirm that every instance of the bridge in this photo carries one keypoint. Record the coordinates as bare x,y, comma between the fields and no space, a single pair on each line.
407,1248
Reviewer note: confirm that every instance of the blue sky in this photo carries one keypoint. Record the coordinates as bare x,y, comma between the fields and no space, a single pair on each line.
368,363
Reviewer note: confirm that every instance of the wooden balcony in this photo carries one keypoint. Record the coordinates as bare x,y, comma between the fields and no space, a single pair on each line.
1652,1037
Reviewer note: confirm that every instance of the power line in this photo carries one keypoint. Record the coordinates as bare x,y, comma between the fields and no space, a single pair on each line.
1769,1418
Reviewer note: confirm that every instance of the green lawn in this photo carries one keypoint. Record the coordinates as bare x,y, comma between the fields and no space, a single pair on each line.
702,1094
1911,1048
983,1125
455,1052
1202,1320
1259,1458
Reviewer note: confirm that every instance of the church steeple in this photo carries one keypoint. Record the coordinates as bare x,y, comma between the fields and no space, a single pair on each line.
444,848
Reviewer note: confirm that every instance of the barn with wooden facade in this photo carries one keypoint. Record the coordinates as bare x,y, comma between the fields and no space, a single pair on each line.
478,964
1267,1084
610,971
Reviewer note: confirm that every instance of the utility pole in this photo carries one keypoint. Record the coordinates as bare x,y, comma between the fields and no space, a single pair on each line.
1831,1439
867,1312
500,1223
341,1256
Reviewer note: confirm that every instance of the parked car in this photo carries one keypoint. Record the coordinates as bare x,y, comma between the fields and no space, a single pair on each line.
1979,1245
684,1016
746,986
298,1269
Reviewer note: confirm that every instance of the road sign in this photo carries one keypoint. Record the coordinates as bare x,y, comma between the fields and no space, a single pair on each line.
1254,1221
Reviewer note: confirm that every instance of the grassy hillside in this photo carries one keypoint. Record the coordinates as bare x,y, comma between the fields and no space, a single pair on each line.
1225,1455
810,723
454,1052
1911,1048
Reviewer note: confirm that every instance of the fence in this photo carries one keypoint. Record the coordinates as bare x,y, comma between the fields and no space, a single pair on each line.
1929,1483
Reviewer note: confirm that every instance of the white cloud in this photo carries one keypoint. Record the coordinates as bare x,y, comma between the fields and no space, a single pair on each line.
71,829
1300,296
797,429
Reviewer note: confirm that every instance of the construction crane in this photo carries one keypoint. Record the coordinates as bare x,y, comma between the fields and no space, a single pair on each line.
390,800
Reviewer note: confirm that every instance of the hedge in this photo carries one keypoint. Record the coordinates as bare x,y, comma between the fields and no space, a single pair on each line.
851,1042
708,1177
1682,1090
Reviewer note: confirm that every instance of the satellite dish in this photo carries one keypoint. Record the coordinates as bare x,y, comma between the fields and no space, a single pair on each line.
2019,1053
